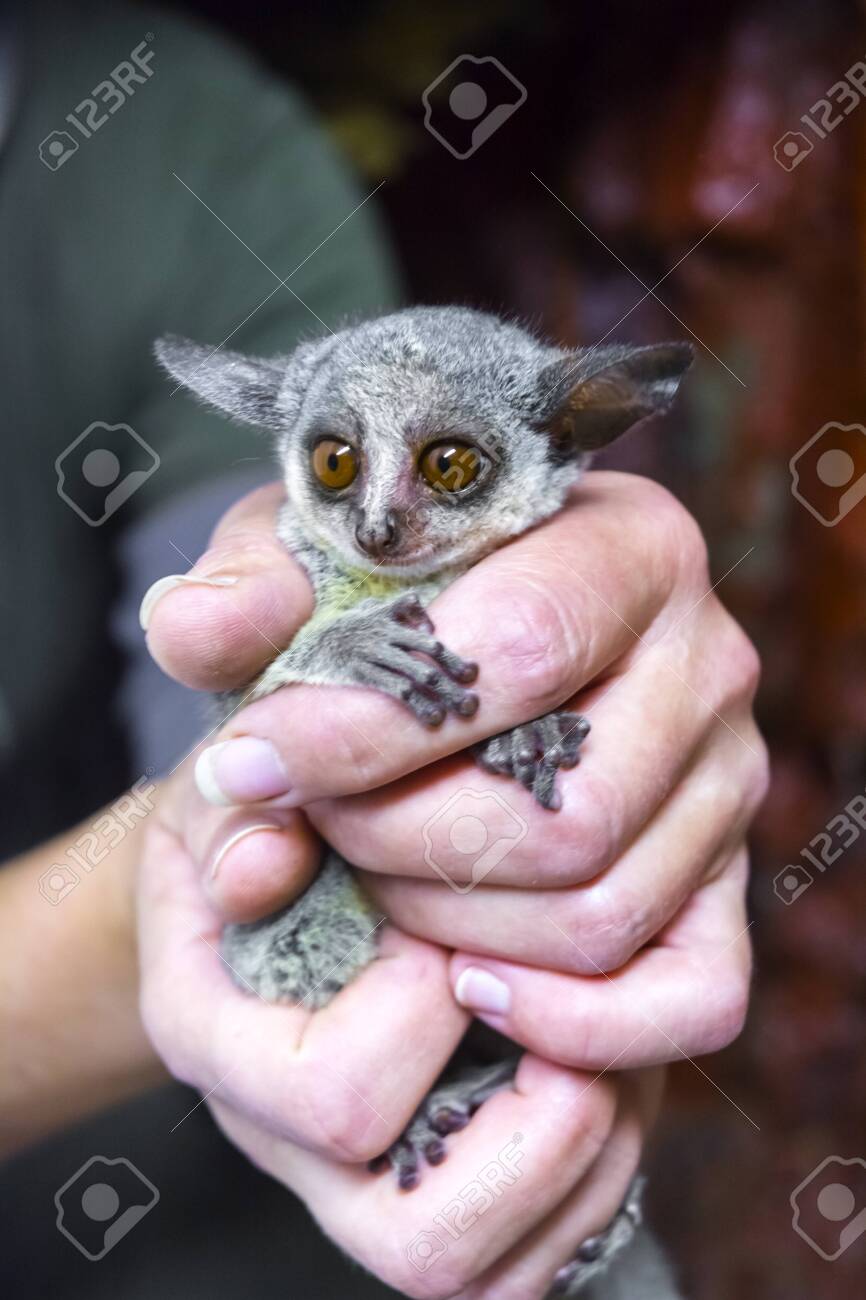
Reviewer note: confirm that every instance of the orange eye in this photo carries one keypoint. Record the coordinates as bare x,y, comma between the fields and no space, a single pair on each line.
450,466
335,464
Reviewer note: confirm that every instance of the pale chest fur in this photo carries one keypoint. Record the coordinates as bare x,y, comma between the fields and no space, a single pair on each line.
341,588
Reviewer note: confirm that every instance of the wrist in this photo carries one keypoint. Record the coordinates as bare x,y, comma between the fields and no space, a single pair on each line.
69,977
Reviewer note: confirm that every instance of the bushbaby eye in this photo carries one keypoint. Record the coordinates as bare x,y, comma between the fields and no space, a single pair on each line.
335,464
450,466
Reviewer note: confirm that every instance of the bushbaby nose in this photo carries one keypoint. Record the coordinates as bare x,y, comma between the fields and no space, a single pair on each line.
376,538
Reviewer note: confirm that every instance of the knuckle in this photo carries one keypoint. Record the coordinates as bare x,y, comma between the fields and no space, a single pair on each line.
589,1120
756,775
612,923
590,825
349,750
728,795
761,775
684,537
257,508
348,1137
339,1123
731,664
728,1010
535,644
683,547
691,545
739,785
742,660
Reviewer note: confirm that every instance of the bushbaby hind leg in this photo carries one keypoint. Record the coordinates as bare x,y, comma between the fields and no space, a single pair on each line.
310,950
447,1109
535,751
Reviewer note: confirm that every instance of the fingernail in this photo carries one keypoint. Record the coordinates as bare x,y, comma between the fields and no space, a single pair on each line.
478,990
240,771
236,838
163,586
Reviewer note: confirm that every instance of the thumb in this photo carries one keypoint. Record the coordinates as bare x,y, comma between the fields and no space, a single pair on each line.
217,626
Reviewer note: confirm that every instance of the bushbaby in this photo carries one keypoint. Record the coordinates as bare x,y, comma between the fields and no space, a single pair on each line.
411,446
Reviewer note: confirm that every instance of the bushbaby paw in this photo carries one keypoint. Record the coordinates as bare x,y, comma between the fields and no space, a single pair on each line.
594,1256
445,1110
535,751
388,657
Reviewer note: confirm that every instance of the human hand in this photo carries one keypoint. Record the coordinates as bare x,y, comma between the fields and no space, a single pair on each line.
540,1170
345,1080
303,1093
606,609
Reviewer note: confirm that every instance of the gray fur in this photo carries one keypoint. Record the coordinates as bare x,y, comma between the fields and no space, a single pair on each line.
533,411
391,387
309,951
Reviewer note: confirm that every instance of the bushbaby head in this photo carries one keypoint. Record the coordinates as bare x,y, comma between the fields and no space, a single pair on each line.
427,438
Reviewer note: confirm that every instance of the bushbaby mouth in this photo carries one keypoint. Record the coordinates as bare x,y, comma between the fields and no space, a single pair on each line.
419,560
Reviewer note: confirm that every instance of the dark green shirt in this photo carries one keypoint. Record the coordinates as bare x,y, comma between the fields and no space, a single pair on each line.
98,256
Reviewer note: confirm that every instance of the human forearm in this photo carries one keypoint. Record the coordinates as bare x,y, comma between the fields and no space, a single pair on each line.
69,1024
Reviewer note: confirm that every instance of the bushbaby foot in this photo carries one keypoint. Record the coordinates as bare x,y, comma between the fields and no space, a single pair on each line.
595,1255
445,1110
535,751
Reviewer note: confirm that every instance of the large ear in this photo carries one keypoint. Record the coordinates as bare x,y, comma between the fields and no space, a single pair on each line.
245,387
592,397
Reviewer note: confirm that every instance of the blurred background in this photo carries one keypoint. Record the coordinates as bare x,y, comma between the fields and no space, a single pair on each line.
654,127
679,171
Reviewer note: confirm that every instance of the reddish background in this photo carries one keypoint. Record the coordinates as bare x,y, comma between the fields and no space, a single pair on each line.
650,123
